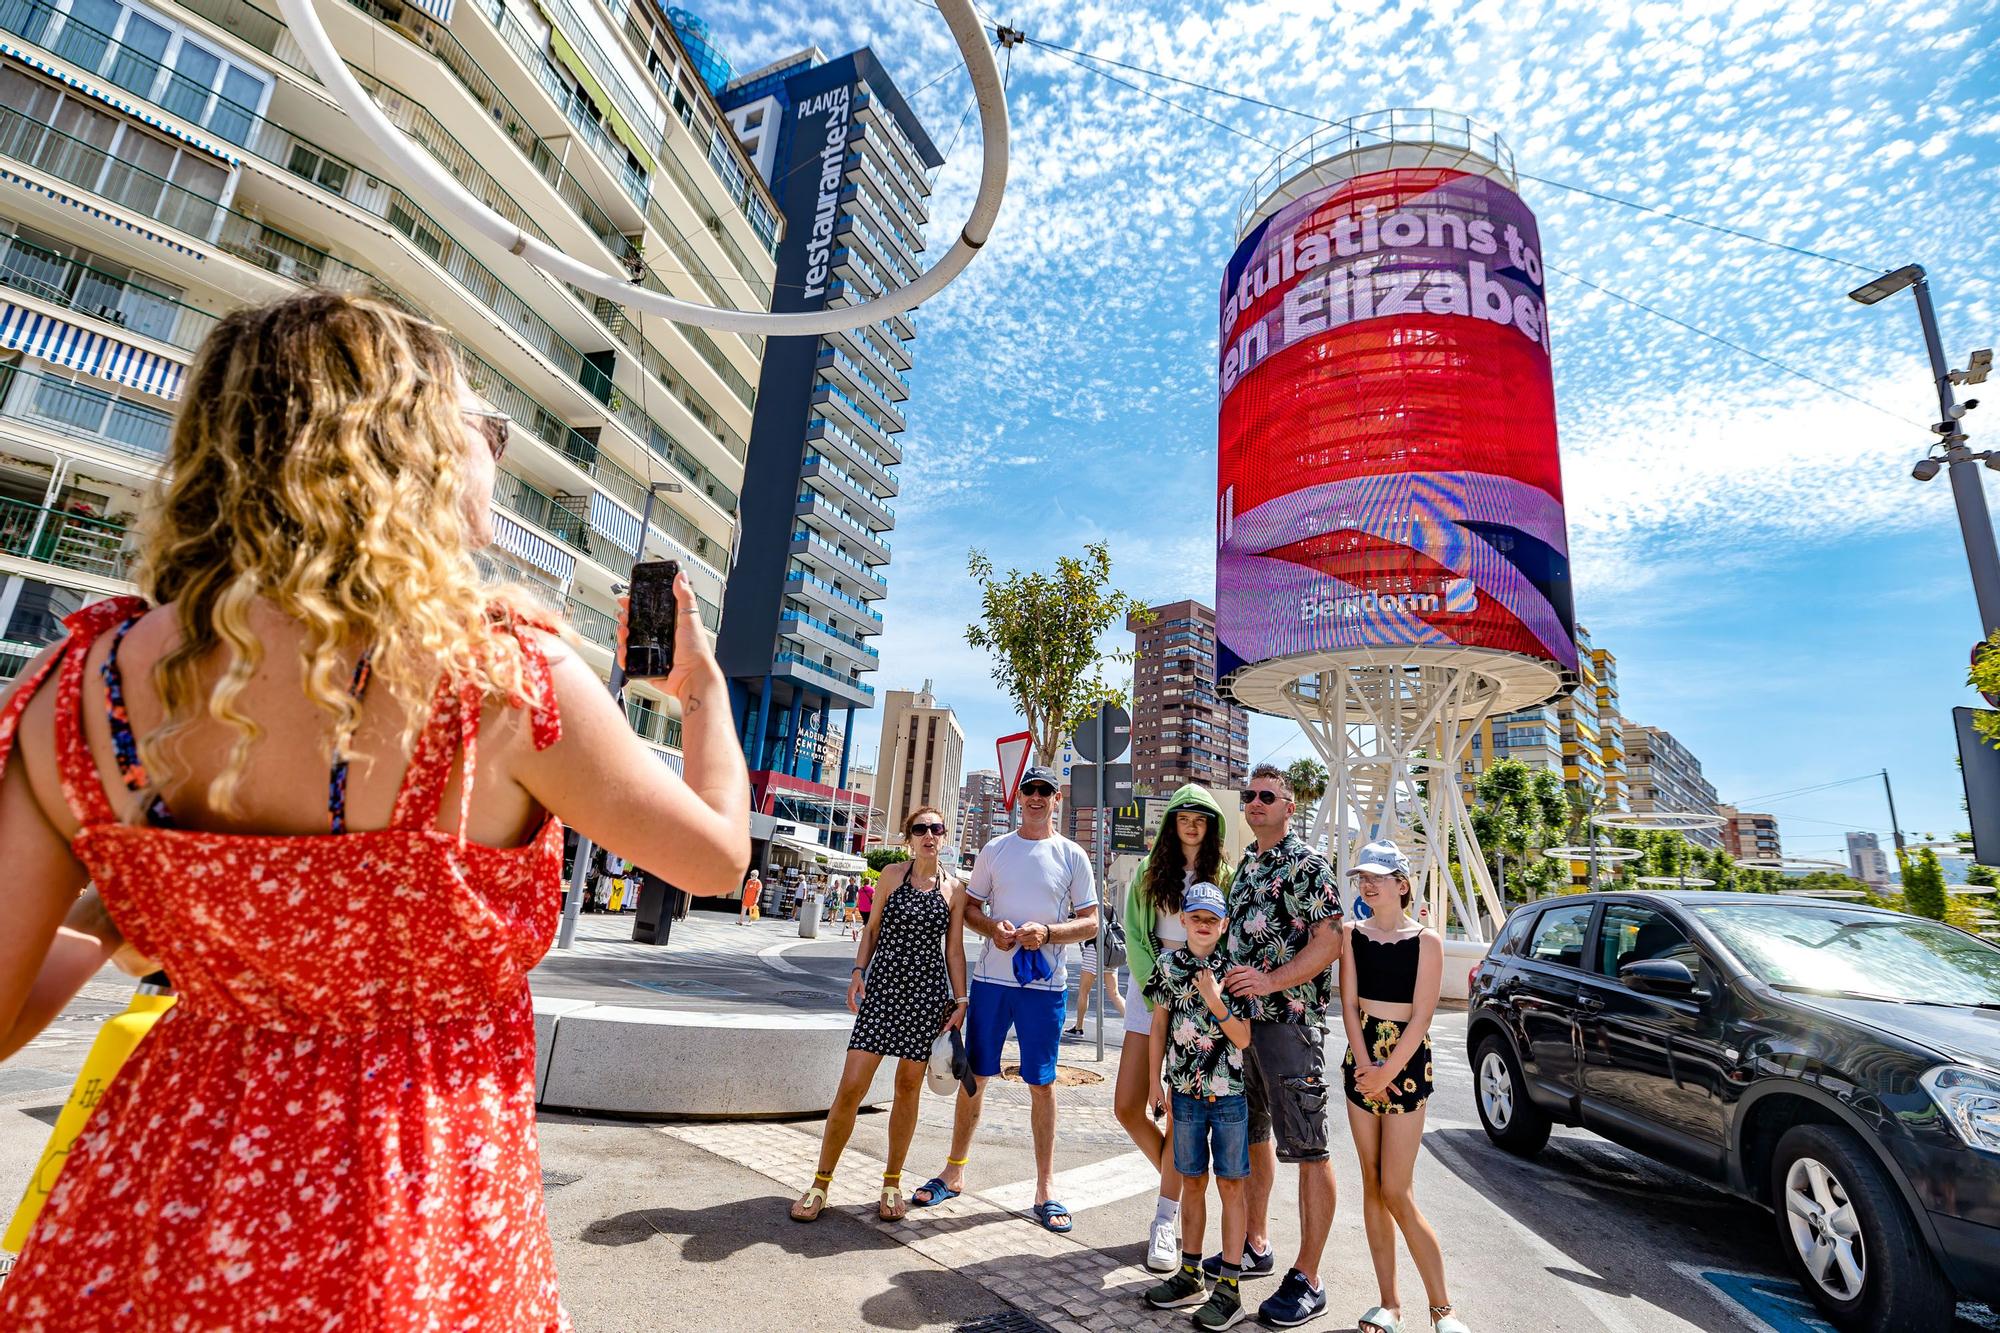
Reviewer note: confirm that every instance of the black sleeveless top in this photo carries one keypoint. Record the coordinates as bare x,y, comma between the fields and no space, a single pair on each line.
1386,973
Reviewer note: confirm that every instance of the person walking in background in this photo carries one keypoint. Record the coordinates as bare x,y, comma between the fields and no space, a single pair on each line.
1390,979
1284,939
1197,1043
908,986
752,905
350,943
1086,983
1031,896
1188,849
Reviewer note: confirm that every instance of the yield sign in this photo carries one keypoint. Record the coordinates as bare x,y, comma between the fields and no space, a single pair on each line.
1014,751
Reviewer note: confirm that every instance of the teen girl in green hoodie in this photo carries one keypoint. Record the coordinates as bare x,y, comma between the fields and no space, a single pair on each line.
1187,851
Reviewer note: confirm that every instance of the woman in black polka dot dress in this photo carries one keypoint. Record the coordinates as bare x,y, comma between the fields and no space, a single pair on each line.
908,986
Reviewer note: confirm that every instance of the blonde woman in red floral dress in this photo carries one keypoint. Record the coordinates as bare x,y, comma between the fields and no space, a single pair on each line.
316,776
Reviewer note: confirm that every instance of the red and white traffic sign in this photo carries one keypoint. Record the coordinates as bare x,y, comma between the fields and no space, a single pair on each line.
1014,751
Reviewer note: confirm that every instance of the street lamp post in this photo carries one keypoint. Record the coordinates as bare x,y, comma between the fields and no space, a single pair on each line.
580,871
1975,524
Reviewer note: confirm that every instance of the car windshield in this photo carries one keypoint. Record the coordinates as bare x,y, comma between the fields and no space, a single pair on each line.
1848,952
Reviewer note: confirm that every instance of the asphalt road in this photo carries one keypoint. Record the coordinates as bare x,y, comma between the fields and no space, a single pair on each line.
684,1227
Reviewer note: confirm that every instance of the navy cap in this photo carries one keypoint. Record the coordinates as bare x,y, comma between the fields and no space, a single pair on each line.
1042,773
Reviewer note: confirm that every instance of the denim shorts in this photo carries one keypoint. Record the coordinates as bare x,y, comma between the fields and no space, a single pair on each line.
1218,1127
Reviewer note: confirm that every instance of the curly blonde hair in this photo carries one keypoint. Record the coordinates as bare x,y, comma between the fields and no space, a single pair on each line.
317,462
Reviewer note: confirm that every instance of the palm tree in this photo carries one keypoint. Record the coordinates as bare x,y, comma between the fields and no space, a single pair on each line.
1307,780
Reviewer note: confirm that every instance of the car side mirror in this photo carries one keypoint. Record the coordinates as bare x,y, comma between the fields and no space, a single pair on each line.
1659,976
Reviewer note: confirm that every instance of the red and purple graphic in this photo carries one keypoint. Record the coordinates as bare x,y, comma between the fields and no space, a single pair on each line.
1388,472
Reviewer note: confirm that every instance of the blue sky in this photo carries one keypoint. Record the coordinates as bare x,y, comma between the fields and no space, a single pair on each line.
1779,593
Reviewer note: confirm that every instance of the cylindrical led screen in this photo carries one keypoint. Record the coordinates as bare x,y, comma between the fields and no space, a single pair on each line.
1388,473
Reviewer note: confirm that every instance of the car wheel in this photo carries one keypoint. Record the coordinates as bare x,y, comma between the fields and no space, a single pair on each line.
1847,1235
1511,1120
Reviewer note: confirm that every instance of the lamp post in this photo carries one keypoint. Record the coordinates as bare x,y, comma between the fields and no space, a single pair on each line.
580,871
1975,525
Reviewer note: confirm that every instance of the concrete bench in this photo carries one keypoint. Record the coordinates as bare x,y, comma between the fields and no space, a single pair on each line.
676,1063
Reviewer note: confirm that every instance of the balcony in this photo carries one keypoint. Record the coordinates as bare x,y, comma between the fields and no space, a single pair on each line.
838,368
826,477
899,198
84,412
868,353
857,419
123,300
798,583
819,675
867,584
815,511
813,631
879,118
66,540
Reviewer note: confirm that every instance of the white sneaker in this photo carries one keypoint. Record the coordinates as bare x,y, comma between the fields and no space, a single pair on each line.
1163,1251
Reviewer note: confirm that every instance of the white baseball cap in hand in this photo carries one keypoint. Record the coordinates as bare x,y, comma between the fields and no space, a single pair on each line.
938,1071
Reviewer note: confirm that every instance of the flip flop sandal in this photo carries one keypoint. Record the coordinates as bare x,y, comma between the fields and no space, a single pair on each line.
813,1202
890,1207
1051,1213
1379,1320
938,1191
1444,1321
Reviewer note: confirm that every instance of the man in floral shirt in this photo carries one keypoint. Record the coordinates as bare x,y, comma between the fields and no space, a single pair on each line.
1283,942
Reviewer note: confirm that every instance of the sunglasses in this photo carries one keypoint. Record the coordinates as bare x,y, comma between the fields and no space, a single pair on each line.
930,830
1261,797
1038,790
495,426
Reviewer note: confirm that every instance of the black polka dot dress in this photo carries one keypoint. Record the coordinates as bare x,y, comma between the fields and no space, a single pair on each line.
908,995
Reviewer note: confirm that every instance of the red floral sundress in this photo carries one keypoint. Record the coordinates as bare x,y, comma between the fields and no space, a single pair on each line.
334,1127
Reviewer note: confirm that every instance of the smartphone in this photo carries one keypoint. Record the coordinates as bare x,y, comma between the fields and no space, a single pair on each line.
649,622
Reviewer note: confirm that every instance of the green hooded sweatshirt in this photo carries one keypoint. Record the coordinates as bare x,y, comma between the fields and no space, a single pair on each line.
1142,942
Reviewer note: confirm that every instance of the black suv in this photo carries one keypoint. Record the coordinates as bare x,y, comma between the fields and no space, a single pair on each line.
1836,1063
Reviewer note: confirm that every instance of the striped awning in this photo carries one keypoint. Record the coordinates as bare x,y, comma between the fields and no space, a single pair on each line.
71,345
544,555
615,521
437,9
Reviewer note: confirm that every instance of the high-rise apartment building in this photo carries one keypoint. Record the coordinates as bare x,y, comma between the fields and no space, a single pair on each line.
1748,835
1666,779
850,166
165,161
1578,734
1866,861
982,815
923,753
1182,730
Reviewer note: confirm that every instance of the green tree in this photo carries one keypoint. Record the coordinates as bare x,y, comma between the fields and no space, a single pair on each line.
1923,885
1307,780
879,857
1042,630
1984,876
1521,812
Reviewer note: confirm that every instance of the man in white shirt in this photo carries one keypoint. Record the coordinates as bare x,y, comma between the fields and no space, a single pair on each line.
1031,896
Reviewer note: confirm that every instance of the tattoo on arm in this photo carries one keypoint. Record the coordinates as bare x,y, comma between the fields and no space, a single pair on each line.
693,705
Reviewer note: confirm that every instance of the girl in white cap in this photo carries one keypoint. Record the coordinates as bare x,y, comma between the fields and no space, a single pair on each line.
1390,976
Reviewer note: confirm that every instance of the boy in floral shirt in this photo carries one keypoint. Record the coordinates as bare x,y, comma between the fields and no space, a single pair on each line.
1199,1033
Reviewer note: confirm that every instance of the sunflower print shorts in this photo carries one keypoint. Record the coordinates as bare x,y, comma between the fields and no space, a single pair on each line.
1412,1087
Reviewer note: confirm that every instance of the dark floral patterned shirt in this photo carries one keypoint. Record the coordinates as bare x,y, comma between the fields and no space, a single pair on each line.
1275,901
1201,1060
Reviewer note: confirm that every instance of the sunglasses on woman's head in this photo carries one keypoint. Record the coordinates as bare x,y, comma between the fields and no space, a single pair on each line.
493,425
1266,797
919,830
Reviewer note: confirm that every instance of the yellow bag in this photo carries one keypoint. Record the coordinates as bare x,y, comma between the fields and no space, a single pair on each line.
116,1041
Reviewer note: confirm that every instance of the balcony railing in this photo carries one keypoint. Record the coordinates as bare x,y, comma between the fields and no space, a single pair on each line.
828,551
822,429
861,413
820,669
834,355
65,540
122,300
857,223
799,576
85,412
889,193
800,617
856,487
825,509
